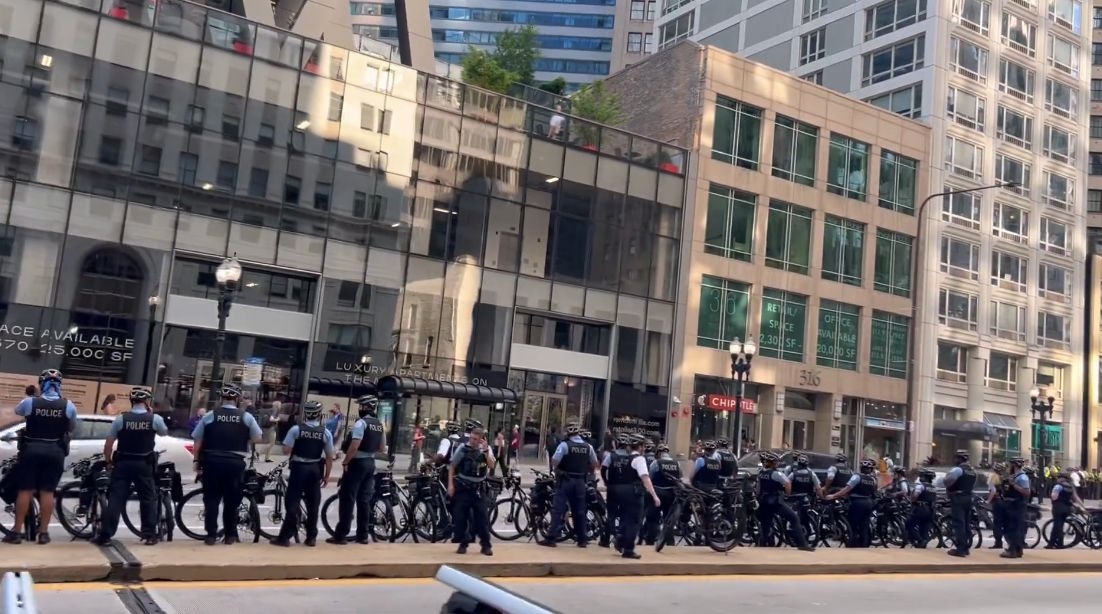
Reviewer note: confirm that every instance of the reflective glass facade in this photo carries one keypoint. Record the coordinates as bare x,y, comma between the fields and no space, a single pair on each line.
377,211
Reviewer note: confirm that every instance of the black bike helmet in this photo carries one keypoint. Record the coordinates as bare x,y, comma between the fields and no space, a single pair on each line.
802,460
999,467
661,448
49,375
572,429
639,440
452,428
927,475
1017,461
867,465
586,434
841,458
311,410
899,470
471,424
623,439
963,455
140,395
722,443
231,391
709,446
769,457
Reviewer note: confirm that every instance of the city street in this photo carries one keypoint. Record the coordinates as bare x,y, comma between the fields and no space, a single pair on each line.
1005,593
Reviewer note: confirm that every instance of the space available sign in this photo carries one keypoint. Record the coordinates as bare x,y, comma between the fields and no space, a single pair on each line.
66,342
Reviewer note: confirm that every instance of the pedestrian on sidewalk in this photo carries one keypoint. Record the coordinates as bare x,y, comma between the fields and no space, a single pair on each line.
267,419
416,447
310,448
550,446
514,447
499,451
280,409
471,463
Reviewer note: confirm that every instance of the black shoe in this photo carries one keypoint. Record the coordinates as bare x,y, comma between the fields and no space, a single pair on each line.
1006,554
150,541
618,547
462,549
310,542
1051,547
100,540
336,541
363,540
210,540
43,539
631,554
807,548
582,544
281,542
230,540
12,538
957,553
603,543
546,543
486,551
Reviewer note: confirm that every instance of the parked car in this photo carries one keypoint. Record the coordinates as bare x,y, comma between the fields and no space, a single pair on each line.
750,463
91,431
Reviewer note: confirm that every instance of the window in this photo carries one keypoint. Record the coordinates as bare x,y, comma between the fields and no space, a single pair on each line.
783,322
1010,222
963,158
231,126
1054,236
812,46
1096,126
957,309
730,225
1008,271
788,237
1002,372
893,60
897,182
893,263
1094,201
888,350
336,101
349,337
346,294
847,167
1008,320
906,102
672,32
227,176
258,182
1053,330
648,42
737,133
189,163
973,14
1094,167
1060,144
843,250
638,9
367,117
1019,34
195,117
724,309
635,42
963,209
960,258
118,99
156,110
110,150
1016,80
1050,378
1097,17
795,149
1054,282
265,135
1059,190
25,132
892,15
385,117
838,326
813,9
966,108
952,362
1061,98
1067,13
651,9
1096,90
1014,127
968,59
1014,171
322,193
1063,55
815,77
150,163
292,188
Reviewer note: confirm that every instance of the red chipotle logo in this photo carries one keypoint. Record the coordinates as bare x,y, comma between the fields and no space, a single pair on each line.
719,402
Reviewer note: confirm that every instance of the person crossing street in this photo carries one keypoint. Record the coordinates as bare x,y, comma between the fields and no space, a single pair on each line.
309,447
574,461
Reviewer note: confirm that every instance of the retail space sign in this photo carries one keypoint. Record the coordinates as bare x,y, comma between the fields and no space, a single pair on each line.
880,423
253,372
719,402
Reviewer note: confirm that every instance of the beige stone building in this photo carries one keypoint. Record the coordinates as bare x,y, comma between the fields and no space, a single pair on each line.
800,228
1093,345
633,32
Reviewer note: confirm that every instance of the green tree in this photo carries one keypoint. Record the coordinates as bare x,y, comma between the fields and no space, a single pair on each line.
595,103
516,52
482,69
555,86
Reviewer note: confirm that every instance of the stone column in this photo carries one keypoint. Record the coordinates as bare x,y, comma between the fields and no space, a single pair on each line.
828,413
976,371
771,408
1027,374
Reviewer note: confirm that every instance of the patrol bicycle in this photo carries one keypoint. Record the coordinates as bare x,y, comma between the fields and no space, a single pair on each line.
7,505
191,513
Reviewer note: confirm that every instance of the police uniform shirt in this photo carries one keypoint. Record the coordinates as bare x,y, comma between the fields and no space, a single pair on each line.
902,486
919,489
446,444
293,433
832,471
158,422
778,477
26,406
359,430
564,447
1060,488
699,464
953,475
639,464
460,451
247,419
815,484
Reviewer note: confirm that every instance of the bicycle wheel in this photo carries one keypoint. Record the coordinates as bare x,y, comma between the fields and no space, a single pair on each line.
166,524
191,517
72,515
126,513
1072,534
423,522
720,533
249,525
669,524
505,523
1093,535
330,514
1032,535
383,524
272,513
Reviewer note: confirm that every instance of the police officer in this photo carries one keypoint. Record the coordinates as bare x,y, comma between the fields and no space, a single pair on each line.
665,472
221,445
899,486
861,489
706,469
923,500
587,436
838,475
623,448
132,466
447,444
574,461
1016,492
471,462
43,446
805,488
628,477
728,462
1064,501
959,483
309,447
773,485
357,484
999,481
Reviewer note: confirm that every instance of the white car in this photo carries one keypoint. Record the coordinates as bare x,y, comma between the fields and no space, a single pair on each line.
88,438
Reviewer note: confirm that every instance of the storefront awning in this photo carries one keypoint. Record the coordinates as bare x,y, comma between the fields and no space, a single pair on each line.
406,386
965,429
1001,421
339,387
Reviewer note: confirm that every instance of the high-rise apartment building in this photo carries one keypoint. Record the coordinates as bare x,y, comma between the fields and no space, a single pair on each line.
633,37
1092,357
1003,84
575,36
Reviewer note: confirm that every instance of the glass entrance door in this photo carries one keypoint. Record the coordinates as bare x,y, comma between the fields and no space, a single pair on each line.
542,411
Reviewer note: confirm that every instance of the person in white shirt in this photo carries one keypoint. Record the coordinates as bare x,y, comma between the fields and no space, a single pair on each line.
557,125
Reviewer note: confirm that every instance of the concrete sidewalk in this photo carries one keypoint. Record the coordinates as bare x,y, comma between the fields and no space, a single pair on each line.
186,561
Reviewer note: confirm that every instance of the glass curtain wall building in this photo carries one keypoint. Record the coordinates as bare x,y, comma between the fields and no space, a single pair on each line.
388,221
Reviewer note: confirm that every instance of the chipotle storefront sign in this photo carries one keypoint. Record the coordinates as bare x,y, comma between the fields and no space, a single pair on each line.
719,402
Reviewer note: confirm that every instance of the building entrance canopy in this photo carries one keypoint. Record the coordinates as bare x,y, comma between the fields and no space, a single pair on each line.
406,386
965,429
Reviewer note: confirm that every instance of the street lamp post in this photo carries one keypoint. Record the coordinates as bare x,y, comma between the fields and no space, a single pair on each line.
915,285
154,300
228,274
1038,408
741,355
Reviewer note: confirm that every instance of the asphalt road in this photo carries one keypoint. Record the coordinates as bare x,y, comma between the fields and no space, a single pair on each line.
903,594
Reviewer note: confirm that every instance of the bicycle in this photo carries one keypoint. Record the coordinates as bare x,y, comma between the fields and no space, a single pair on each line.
1075,531
88,491
169,489
513,510
384,524
248,512
7,506
943,525
705,521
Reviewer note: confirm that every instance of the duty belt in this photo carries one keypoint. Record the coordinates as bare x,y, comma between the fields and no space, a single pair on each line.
570,474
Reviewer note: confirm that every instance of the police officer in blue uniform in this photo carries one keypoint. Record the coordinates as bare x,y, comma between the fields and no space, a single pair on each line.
1064,501
728,462
665,472
838,474
959,483
221,444
43,446
995,489
132,464
923,501
623,448
899,487
861,490
574,461
357,485
471,462
447,445
773,485
628,478
805,489
309,447
1016,491
706,469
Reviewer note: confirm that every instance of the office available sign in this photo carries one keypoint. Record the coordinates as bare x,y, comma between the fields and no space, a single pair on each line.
70,342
